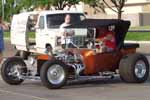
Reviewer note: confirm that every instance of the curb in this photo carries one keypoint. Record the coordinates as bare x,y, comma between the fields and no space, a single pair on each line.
140,42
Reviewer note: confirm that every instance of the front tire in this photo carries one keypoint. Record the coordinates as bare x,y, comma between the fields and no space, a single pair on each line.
11,70
54,74
134,68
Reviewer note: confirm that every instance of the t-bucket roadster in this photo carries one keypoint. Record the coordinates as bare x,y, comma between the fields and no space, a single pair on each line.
55,69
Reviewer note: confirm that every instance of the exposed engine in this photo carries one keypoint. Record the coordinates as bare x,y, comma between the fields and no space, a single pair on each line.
73,60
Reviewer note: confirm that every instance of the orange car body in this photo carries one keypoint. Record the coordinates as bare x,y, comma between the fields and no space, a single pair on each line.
107,61
98,62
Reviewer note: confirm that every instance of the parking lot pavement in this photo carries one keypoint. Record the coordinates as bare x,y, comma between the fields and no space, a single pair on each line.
98,90
106,89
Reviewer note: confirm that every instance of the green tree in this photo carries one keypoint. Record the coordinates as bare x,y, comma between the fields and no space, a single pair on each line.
11,7
114,5
15,6
58,4
119,4
8,9
98,5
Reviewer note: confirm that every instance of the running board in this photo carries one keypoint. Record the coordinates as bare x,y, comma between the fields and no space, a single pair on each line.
91,78
78,79
35,78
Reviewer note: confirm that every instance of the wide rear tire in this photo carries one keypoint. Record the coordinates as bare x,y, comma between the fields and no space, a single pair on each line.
134,68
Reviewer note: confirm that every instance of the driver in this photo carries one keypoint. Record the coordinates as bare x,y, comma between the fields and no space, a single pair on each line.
107,39
66,34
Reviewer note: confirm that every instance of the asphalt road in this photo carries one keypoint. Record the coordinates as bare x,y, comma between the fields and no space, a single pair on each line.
106,89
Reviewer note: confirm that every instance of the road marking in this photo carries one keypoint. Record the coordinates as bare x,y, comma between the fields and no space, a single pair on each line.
25,95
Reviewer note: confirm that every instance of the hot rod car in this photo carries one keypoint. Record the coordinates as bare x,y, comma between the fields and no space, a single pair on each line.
56,67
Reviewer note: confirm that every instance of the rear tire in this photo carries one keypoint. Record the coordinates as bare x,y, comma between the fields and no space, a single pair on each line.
54,74
134,68
10,68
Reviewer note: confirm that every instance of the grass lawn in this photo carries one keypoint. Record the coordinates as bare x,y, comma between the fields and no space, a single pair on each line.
138,36
7,34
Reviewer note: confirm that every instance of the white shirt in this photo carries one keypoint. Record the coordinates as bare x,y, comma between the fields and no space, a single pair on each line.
67,39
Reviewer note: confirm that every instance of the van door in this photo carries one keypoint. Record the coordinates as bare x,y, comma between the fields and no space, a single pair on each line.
19,31
41,34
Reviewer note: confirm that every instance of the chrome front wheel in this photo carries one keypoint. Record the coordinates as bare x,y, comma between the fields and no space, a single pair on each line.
54,74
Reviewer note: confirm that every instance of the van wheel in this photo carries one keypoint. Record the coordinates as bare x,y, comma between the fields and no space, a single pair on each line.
54,74
134,68
12,69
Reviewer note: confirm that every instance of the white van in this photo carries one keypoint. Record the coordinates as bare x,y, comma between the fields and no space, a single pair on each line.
46,25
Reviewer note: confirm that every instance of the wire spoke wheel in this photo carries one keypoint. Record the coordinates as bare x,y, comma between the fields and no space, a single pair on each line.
12,70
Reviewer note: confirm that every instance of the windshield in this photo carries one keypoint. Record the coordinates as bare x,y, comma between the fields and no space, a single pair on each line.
56,20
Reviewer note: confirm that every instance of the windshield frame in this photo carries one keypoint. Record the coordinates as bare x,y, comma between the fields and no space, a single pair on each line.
82,17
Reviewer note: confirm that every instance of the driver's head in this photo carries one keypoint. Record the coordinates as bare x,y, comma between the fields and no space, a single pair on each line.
67,19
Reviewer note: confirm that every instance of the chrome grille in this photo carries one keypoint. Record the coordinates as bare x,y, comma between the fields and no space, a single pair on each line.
79,40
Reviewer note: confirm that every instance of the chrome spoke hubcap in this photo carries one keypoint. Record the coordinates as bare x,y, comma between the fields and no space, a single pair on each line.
55,74
140,69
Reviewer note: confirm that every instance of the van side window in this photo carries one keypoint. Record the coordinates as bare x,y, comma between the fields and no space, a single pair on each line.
41,22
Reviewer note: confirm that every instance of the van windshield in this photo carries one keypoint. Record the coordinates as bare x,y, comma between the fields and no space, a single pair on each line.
55,20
